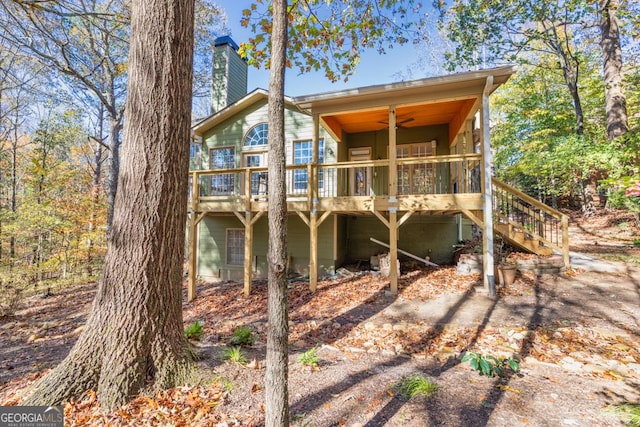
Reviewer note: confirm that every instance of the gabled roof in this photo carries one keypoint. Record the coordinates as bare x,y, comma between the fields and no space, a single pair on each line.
451,91
412,87
249,99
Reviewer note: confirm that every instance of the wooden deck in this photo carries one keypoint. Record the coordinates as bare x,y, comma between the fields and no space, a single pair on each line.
434,184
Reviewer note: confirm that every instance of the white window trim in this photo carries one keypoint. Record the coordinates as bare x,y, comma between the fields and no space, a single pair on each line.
226,247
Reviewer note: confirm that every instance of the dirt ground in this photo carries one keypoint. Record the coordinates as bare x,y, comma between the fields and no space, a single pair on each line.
576,334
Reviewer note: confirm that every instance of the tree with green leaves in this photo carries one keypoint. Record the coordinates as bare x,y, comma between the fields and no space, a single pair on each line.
310,35
277,359
134,332
490,32
85,43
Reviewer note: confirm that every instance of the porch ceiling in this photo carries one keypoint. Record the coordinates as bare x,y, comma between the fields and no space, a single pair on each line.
406,116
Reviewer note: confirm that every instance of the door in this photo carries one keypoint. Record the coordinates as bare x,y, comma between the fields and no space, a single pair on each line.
258,179
360,177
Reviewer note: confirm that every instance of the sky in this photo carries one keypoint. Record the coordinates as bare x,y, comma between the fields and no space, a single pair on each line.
373,68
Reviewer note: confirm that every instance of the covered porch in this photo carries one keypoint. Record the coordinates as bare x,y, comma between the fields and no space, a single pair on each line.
404,148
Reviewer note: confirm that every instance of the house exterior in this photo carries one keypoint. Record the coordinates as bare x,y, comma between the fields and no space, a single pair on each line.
407,164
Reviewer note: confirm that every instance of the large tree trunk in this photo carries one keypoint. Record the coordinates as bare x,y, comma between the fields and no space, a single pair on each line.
135,330
615,101
276,380
114,170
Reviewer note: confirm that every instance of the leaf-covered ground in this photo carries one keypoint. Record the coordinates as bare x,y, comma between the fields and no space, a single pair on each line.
577,336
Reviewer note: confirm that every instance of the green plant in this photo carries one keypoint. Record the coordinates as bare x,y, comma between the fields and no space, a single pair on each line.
415,385
310,358
488,365
235,355
628,412
243,336
636,242
225,382
194,331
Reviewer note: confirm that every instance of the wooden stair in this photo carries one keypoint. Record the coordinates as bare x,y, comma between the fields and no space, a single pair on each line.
526,223
520,239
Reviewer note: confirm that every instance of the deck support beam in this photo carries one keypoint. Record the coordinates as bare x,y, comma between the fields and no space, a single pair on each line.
248,219
194,220
393,210
313,222
487,193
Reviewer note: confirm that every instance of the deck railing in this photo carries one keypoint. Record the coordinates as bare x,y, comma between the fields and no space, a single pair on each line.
416,176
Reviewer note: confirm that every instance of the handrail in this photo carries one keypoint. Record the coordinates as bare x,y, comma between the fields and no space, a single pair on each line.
547,225
548,209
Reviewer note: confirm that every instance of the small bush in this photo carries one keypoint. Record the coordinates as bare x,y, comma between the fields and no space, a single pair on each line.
488,365
628,412
243,336
415,385
235,355
10,301
309,358
225,382
194,331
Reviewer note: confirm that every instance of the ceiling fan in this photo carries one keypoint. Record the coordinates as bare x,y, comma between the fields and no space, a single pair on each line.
399,123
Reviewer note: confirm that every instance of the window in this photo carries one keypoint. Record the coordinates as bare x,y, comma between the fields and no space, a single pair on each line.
416,178
257,136
258,179
235,246
194,150
222,158
302,154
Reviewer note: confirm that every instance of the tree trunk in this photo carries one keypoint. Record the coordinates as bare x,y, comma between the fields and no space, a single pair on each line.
135,331
276,379
615,101
570,65
114,170
95,190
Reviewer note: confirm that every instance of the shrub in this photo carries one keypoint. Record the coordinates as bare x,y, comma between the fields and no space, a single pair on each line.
194,331
415,385
309,358
628,412
488,365
243,336
235,355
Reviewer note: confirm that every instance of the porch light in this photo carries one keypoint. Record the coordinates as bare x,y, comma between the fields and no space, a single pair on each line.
434,144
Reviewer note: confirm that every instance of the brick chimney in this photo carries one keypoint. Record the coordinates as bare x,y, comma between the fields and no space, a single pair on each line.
229,74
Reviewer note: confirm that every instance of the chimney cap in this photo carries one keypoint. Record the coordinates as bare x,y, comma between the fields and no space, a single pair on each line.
223,40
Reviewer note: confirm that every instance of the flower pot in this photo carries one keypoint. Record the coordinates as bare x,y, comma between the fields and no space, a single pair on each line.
507,274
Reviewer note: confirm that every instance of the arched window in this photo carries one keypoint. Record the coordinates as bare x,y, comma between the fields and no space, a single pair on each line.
257,135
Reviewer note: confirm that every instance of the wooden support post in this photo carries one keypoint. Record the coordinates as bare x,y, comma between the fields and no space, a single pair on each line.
313,211
193,237
487,193
193,259
313,250
393,211
194,220
248,253
565,241
393,250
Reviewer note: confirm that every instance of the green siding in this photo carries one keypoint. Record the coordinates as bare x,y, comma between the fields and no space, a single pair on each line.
421,235
341,237
212,255
298,126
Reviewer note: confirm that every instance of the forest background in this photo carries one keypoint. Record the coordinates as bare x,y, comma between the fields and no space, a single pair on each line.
63,74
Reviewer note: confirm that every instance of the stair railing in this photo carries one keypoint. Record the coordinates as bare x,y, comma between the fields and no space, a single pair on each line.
539,222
